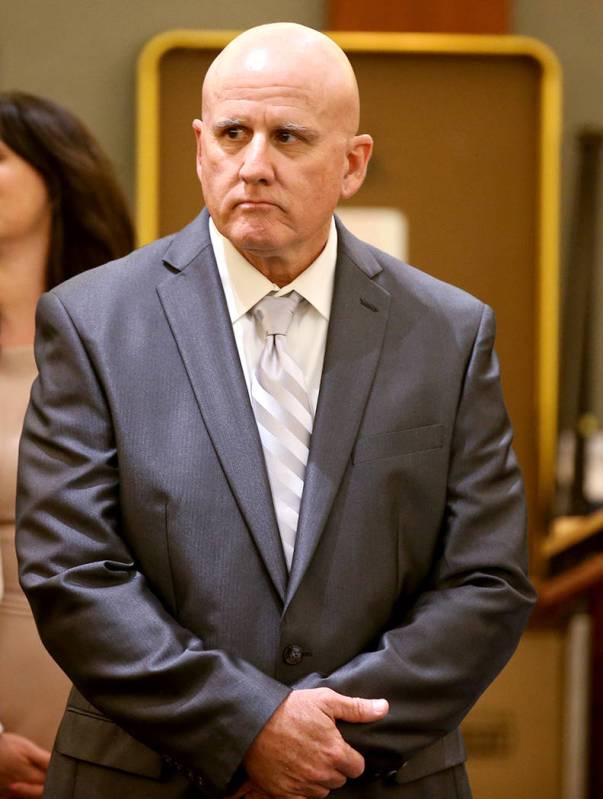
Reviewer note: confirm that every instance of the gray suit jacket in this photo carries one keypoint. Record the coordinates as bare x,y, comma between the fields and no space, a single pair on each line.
149,548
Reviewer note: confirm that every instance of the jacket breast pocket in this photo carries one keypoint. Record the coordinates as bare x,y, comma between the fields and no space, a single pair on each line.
398,442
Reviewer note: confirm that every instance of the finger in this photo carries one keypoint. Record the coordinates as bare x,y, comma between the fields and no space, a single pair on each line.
356,709
350,763
30,774
310,790
38,756
318,792
25,790
337,780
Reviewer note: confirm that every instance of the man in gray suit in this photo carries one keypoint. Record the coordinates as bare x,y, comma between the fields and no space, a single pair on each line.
270,521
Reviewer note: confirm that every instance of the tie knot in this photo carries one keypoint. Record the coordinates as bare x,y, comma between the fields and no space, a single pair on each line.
276,313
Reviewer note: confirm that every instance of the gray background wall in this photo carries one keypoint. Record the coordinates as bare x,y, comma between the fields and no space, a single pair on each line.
574,30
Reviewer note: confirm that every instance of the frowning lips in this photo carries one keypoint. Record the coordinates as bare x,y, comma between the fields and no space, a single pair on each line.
256,205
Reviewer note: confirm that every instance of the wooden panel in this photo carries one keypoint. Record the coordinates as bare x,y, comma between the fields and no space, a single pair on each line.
513,735
437,16
596,731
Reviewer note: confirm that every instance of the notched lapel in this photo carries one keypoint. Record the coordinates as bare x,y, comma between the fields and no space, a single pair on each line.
357,325
194,303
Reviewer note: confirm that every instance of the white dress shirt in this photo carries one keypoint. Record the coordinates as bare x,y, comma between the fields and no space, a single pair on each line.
244,286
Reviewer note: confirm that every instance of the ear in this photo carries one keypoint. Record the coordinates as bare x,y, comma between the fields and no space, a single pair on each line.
357,158
198,130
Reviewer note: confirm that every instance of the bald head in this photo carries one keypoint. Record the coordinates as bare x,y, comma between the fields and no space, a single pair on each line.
286,52
278,146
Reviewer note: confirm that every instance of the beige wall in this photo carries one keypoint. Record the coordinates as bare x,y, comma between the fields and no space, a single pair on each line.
82,53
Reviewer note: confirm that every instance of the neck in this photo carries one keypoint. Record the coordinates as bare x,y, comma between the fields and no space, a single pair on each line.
276,270
281,270
22,280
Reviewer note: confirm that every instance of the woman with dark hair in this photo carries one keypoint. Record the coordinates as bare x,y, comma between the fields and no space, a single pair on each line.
61,212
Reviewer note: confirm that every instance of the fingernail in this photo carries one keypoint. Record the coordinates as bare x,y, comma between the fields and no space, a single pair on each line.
380,705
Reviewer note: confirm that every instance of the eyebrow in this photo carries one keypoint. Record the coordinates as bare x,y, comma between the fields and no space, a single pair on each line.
300,130
223,124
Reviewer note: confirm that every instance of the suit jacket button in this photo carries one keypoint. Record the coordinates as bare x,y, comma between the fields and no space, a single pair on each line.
293,654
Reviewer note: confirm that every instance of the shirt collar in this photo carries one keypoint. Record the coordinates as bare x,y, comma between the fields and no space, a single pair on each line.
245,286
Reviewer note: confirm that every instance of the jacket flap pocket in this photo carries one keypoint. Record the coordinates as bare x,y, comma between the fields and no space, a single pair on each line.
398,442
447,752
98,740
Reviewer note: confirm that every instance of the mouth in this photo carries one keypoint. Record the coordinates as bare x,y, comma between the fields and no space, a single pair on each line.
256,205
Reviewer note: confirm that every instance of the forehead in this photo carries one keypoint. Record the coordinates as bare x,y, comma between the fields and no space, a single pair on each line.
261,80
8,153
274,100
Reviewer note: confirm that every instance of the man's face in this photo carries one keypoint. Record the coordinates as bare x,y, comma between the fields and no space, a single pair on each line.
272,160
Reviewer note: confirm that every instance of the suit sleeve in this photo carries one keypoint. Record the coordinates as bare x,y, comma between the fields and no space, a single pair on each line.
132,660
434,663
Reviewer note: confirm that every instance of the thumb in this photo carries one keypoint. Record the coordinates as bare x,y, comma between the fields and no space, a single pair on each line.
356,709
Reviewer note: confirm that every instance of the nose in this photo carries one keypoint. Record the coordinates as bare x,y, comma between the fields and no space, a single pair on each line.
257,166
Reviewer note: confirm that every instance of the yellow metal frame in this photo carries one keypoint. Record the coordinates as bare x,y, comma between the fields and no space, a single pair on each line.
147,173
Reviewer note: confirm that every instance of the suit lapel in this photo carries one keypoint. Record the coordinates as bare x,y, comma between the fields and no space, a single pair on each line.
194,303
358,318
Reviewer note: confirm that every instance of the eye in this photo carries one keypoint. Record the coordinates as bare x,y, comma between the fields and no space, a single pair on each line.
285,136
233,133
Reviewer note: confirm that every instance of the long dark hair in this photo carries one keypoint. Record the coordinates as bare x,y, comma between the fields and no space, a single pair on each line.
91,222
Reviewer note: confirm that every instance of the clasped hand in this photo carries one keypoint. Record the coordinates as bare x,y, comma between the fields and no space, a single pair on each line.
23,767
300,752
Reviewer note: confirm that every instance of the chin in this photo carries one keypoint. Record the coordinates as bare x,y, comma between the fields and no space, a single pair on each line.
254,239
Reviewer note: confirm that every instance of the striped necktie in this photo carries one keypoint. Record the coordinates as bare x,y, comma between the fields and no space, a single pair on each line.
283,414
